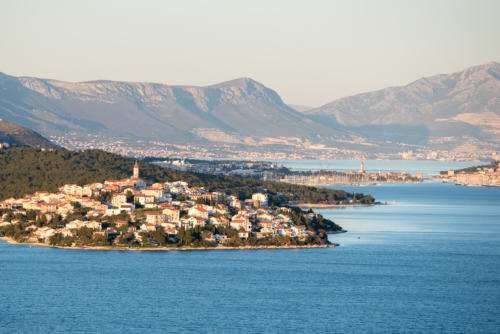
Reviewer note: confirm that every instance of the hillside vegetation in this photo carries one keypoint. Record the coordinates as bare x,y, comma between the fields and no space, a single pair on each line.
25,170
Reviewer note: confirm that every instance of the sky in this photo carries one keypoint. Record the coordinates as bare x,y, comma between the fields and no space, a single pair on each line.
311,52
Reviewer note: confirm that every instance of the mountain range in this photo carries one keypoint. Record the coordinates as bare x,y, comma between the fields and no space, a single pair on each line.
459,111
465,103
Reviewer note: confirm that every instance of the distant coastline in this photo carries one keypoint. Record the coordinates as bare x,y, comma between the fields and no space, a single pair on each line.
328,205
487,175
166,249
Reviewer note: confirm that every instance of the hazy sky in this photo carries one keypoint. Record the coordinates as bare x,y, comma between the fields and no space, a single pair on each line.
310,52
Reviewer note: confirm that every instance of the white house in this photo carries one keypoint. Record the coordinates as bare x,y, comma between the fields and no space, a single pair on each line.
155,218
241,223
260,199
118,199
198,211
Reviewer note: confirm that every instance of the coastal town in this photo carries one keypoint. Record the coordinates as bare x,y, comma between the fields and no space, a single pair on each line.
324,178
486,176
269,171
292,150
130,213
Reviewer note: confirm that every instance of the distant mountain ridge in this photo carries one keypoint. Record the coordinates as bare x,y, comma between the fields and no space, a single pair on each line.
458,104
14,134
449,112
238,108
300,107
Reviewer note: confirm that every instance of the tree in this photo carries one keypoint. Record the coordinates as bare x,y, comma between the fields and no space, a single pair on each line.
130,196
123,229
31,214
84,235
56,239
206,235
184,236
145,238
160,236
56,220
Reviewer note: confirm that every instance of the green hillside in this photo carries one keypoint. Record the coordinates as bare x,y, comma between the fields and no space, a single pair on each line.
25,170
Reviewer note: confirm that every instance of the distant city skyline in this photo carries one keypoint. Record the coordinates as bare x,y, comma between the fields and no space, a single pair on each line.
309,52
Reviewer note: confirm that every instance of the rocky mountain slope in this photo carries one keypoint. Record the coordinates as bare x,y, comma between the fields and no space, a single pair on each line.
456,113
14,134
233,111
451,106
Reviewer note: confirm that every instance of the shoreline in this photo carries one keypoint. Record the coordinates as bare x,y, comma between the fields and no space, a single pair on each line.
336,232
165,249
326,206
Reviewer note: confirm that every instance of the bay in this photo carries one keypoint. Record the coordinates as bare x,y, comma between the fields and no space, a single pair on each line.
429,261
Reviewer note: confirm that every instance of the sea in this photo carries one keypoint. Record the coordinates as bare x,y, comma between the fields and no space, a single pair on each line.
428,261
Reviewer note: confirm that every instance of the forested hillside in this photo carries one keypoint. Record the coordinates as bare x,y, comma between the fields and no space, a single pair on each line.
25,170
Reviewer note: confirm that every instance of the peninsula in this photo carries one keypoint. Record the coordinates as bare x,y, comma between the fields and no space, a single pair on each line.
485,175
130,214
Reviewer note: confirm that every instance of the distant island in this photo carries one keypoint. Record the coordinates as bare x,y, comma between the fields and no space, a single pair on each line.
176,210
483,175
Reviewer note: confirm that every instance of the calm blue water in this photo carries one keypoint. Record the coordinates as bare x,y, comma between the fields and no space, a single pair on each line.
430,262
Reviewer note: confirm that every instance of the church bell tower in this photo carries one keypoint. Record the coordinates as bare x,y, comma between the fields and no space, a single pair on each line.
362,167
136,170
